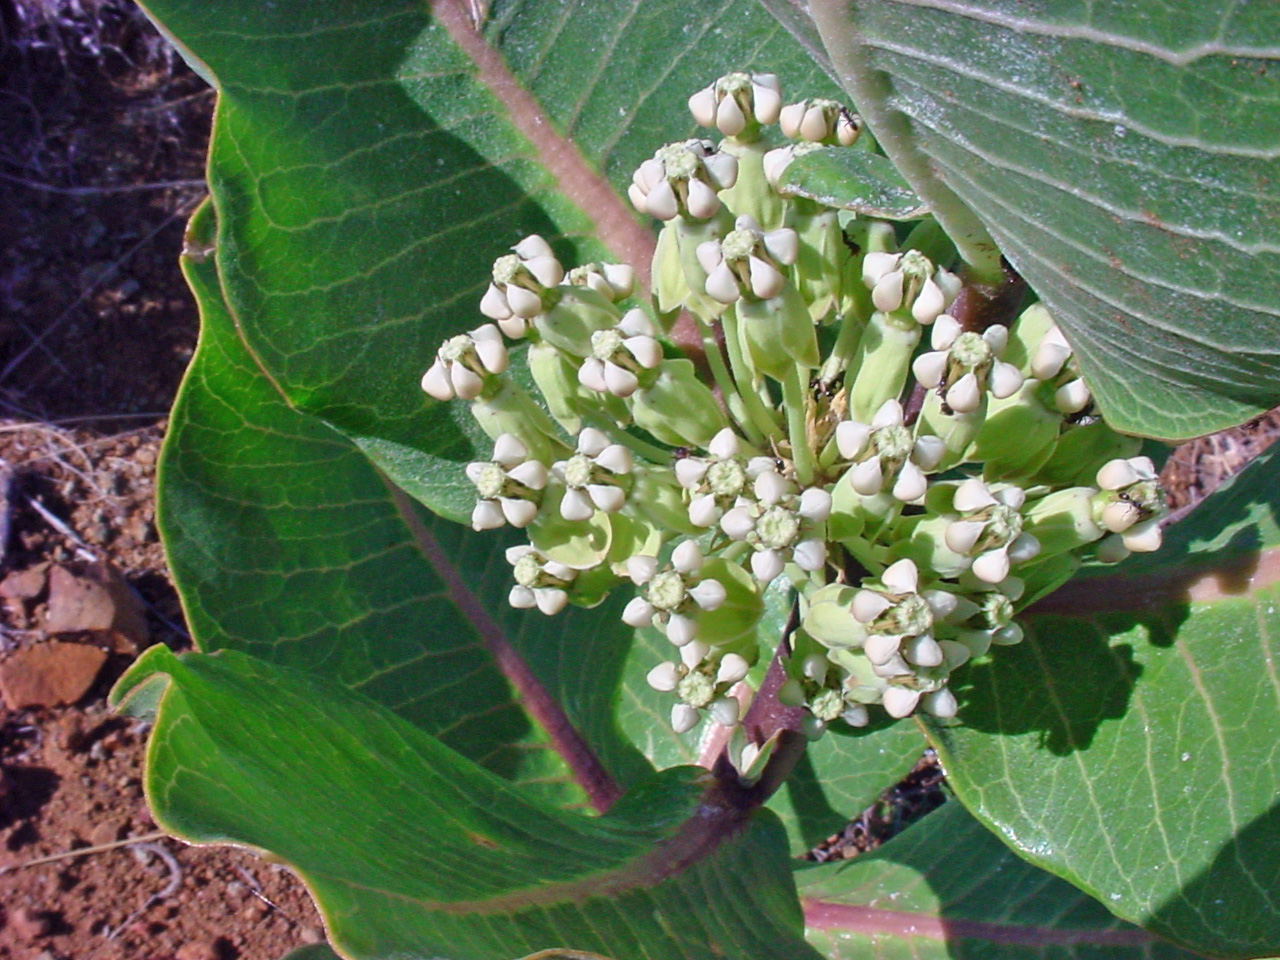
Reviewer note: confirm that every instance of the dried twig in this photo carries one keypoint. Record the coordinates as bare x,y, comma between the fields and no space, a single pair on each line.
83,852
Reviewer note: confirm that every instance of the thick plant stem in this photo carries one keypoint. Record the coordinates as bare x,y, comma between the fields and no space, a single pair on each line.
794,399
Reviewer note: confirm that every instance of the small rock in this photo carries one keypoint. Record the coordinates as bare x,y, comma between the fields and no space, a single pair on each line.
29,924
25,584
310,935
49,674
198,950
104,833
96,598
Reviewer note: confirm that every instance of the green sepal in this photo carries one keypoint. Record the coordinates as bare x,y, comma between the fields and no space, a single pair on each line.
778,333
928,549
823,265
678,408
1025,336
579,313
751,195
1017,437
1063,520
1082,450
580,544
828,617
659,499
881,364
511,410
557,380
731,627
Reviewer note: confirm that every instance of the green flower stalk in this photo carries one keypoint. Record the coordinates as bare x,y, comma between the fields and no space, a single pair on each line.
908,545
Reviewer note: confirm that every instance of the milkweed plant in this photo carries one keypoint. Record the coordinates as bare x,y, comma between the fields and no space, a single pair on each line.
912,480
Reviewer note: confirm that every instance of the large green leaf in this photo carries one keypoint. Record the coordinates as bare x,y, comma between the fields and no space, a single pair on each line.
285,543
1141,713
1123,156
947,888
370,159
412,851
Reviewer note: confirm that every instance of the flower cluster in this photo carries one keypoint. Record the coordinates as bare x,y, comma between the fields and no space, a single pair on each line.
910,532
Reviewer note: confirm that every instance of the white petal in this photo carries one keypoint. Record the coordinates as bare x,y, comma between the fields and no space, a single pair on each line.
887,293
693,653
722,284
929,303
494,304
1120,516
810,555
646,350
664,677
791,117
518,552
1072,397
867,478
486,515
911,483
766,100
519,513
591,375
766,281
867,605
814,126
524,303
816,667
766,564
531,473
997,337
770,487
929,368
876,265
964,395
1023,548
923,651
687,558
737,523
703,106
1006,380
941,603
521,598
709,255
436,381
972,495
546,270
899,701
607,497
466,384
680,629
638,613
733,667
724,444
703,201
928,451
615,458
880,649
592,441
852,438
690,471
550,600
1117,474
509,450
621,278
724,711
636,194
940,703
1143,538
641,568
901,577
890,414
533,246
855,715
683,718
1112,549
709,594
961,535
620,381
992,566
783,245
730,119
815,504
575,505
703,511
722,168
661,201
1050,355
475,470
1007,635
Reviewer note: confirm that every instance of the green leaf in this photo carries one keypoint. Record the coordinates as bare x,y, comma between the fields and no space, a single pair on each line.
856,180
312,951
947,888
1122,157
285,543
371,159
1141,712
410,850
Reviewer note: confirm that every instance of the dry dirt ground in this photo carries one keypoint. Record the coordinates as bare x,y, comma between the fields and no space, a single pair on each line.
102,136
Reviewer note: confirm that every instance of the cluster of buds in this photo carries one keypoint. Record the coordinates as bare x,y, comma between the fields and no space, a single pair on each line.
910,541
